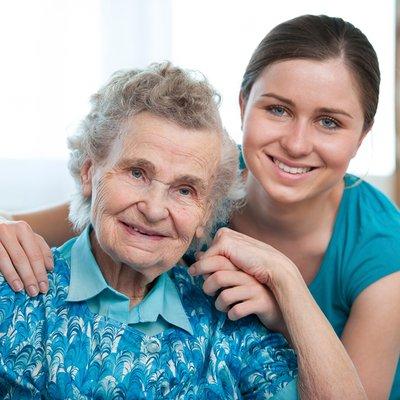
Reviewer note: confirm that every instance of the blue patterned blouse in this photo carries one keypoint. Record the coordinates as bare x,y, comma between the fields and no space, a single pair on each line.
54,349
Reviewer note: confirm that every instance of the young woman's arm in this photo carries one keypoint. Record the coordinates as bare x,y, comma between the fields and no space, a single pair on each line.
325,369
25,256
372,335
50,223
371,338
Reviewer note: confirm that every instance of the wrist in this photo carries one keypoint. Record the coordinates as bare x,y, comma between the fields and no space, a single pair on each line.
284,278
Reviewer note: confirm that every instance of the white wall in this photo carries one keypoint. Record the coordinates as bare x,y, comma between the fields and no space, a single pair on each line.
31,184
56,53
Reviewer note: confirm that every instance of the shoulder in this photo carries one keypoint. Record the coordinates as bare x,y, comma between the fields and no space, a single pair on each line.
262,359
373,218
20,303
248,333
198,306
370,234
374,209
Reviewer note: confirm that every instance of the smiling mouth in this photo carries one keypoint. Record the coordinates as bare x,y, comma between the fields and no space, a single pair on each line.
289,169
143,231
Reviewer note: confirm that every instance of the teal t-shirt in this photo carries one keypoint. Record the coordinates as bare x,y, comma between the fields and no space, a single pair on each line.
364,247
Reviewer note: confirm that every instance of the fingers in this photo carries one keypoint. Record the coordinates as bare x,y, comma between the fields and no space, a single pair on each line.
242,310
21,264
229,297
8,270
223,279
222,242
46,252
241,301
26,259
36,263
241,294
268,265
209,265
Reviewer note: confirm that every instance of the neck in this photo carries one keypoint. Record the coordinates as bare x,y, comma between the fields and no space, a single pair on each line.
120,276
262,217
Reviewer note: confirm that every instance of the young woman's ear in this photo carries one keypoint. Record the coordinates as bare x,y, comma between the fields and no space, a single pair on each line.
86,178
200,230
360,141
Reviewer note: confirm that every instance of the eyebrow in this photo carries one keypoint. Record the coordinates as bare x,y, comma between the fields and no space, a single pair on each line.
322,110
137,162
149,166
280,98
193,181
334,111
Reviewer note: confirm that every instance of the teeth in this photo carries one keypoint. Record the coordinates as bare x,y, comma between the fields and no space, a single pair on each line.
291,170
150,233
136,229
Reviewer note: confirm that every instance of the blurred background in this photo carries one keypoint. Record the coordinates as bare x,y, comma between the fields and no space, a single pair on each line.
55,54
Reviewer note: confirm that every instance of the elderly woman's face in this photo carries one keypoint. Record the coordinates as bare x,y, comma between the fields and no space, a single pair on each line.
150,198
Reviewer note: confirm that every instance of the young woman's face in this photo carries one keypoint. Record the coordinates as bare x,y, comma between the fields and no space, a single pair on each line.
302,124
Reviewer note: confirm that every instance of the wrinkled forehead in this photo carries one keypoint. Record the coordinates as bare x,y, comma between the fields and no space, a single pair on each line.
167,149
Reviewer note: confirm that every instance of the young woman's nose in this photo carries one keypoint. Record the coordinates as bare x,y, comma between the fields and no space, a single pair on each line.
298,141
153,204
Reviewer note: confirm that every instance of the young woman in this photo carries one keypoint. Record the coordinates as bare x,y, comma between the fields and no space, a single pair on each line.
308,99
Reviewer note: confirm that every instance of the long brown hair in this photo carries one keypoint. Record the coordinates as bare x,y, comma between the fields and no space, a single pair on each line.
319,37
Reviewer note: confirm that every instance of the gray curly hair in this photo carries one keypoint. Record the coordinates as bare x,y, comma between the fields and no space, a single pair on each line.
183,97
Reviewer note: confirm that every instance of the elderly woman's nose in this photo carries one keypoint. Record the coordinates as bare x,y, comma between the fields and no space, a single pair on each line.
153,205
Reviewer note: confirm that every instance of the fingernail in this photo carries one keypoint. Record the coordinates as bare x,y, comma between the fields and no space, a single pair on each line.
43,287
192,270
32,290
17,285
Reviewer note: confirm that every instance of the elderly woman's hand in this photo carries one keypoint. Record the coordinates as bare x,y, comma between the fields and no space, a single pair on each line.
25,257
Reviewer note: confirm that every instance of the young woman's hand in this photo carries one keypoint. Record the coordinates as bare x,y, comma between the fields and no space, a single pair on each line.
25,257
266,264
239,294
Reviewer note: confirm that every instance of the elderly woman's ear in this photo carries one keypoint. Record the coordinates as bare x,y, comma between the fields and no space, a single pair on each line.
86,178
200,232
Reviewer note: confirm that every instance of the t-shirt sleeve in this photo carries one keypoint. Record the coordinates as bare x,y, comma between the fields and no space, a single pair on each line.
268,365
377,256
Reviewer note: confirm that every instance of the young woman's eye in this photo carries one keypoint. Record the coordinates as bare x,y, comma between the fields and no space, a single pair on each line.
137,173
328,123
279,111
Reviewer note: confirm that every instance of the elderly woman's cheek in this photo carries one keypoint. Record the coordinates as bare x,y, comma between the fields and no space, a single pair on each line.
100,202
189,221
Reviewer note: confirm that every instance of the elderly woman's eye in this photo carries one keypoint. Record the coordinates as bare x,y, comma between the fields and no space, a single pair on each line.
185,191
137,173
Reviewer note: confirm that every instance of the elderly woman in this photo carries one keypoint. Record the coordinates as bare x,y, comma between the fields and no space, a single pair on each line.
120,319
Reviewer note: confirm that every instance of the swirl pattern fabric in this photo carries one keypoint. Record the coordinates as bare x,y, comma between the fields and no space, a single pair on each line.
53,349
